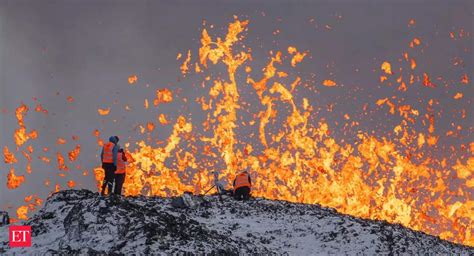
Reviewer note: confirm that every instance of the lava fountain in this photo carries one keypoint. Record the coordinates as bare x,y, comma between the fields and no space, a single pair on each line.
376,177
294,154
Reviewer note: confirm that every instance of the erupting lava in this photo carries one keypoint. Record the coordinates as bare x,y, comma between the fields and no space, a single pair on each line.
295,156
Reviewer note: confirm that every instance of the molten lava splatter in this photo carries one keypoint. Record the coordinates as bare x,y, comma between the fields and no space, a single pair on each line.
374,178
61,164
22,212
329,83
163,96
465,79
458,96
132,79
427,82
8,156
14,181
61,141
297,56
103,111
71,184
74,153
185,66
21,136
163,120
386,67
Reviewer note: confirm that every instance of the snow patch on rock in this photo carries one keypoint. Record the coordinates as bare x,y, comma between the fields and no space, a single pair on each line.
82,222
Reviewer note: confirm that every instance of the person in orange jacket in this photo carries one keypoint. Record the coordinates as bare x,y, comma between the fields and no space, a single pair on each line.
120,172
242,185
108,158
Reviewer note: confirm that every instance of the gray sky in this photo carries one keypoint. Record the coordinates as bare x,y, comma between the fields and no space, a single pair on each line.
87,49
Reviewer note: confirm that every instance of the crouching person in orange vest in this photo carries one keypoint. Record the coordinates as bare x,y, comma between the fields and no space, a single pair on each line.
242,185
120,172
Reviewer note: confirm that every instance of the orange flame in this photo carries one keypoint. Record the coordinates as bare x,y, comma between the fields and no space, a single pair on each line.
20,136
163,96
14,181
71,184
8,156
184,68
150,126
132,79
163,120
427,82
103,111
297,56
295,156
22,212
61,164
375,178
329,83
61,141
458,96
74,153
387,68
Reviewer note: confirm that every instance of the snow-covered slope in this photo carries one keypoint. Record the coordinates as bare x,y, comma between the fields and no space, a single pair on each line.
81,222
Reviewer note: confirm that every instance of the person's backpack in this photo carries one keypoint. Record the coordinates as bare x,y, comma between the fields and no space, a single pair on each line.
178,202
187,200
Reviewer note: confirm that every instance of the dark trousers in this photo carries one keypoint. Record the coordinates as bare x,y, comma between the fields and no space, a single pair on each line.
5,220
119,179
109,169
242,193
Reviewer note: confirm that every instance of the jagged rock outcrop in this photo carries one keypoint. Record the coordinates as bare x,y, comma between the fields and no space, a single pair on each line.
83,223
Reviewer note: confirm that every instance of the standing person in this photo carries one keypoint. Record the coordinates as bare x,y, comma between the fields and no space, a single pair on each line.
5,218
242,185
108,157
120,172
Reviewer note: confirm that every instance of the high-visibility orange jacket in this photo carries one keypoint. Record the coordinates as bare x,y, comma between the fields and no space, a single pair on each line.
242,180
108,154
121,163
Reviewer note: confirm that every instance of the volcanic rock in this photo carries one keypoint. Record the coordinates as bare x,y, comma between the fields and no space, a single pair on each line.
80,222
